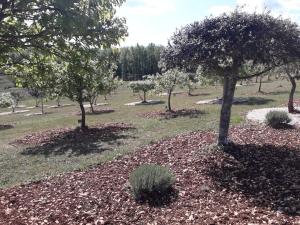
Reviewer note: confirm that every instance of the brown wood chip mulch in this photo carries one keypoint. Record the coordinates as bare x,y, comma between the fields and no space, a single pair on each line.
256,182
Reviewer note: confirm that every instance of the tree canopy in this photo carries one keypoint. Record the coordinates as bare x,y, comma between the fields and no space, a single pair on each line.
51,24
233,46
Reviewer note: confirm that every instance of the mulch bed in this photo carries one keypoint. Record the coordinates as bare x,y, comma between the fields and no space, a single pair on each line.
257,183
171,114
6,126
97,111
53,136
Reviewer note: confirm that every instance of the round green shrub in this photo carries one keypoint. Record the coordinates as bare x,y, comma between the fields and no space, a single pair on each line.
277,119
151,181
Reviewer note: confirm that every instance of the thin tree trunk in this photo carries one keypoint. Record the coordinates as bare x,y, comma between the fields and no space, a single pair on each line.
228,94
292,93
260,85
190,92
58,101
169,100
83,125
145,97
36,102
42,105
92,107
256,79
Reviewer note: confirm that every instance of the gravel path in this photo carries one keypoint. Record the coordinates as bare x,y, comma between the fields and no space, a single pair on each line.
259,115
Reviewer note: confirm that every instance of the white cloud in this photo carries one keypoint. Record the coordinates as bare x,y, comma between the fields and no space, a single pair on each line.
147,7
285,8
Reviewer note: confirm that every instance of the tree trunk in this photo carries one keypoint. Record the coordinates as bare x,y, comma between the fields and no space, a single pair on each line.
260,85
83,125
58,101
42,105
292,93
145,99
256,79
190,92
36,102
92,107
169,100
228,94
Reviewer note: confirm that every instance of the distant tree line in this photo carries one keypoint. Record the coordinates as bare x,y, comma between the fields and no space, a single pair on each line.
137,61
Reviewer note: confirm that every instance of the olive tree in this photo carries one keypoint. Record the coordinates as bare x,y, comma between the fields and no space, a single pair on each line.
233,46
142,86
168,81
292,71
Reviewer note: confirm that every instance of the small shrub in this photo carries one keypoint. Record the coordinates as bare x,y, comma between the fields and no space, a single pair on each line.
149,182
6,100
277,119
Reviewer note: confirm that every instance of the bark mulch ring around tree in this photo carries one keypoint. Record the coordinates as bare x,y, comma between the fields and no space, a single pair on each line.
6,126
97,111
74,141
257,183
192,113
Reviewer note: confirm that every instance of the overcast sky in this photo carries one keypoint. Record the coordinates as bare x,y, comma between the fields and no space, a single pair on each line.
154,21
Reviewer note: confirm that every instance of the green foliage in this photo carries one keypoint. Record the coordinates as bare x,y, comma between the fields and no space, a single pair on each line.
149,181
135,62
143,85
54,24
277,119
168,81
6,100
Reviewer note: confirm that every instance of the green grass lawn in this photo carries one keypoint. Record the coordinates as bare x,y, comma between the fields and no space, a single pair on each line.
17,167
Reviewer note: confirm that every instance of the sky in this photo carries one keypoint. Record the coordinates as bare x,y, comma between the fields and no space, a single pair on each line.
154,21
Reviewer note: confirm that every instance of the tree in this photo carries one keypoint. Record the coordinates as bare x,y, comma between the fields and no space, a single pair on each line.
233,46
72,31
50,25
100,81
168,81
110,84
137,61
142,86
292,70
6,100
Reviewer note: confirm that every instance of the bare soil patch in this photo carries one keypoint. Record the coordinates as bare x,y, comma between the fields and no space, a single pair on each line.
256,182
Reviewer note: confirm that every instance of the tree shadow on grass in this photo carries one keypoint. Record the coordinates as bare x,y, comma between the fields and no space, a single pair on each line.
166,115
6,127
254,101
77,142
268,175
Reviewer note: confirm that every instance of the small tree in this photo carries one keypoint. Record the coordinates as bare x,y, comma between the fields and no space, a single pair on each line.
110,82
18,95
101,81
142,86
292,70
6,100
168,81
233,46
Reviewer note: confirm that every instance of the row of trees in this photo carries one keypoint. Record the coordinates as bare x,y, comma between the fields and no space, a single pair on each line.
55,47
135,62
